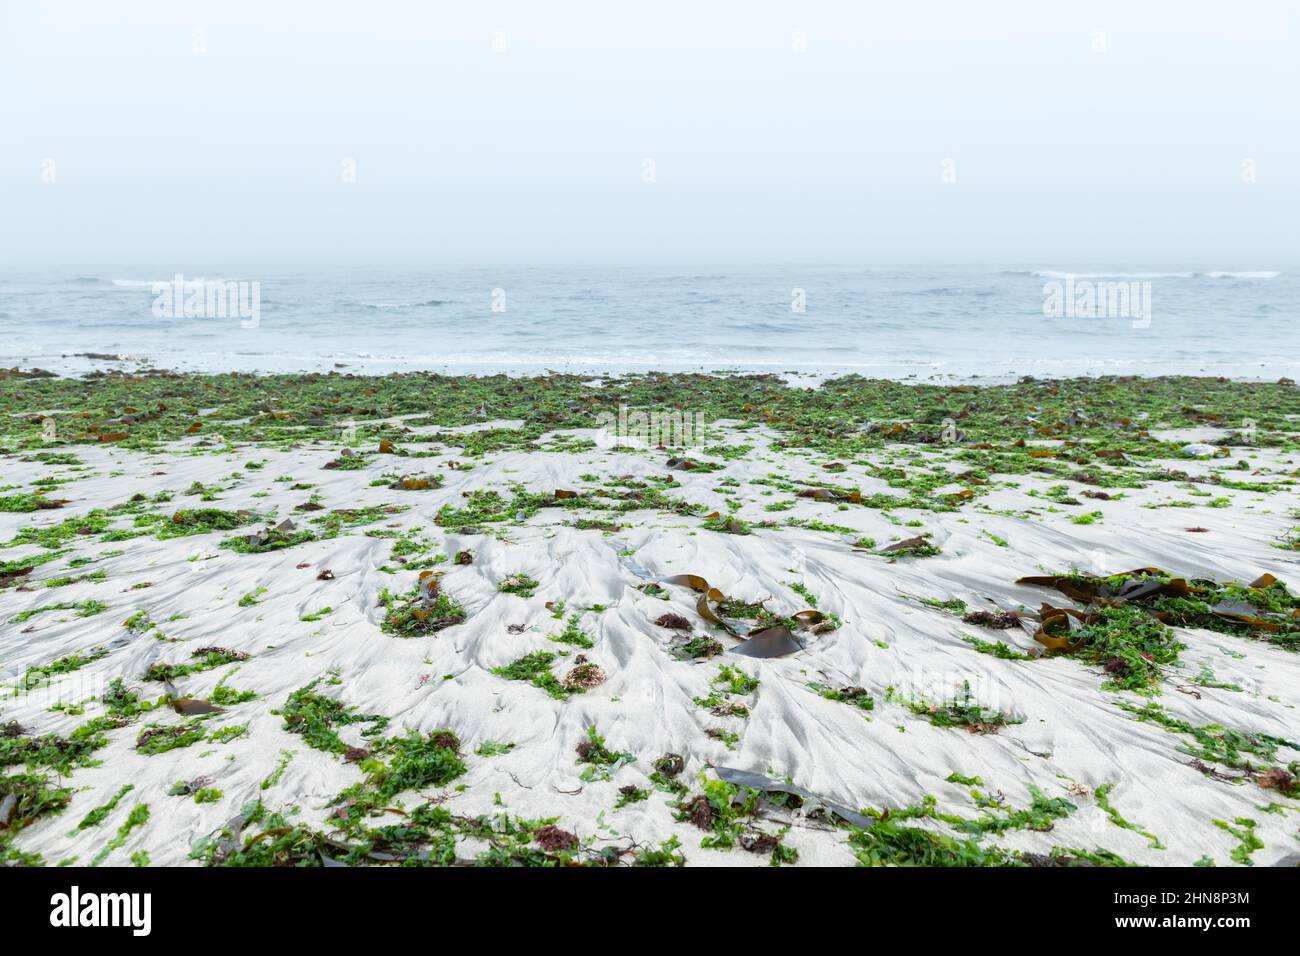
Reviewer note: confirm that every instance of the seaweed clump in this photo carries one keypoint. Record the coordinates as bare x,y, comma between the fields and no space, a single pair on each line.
426,609
1264,608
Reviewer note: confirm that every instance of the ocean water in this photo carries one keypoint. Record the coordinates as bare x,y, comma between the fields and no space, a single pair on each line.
946,324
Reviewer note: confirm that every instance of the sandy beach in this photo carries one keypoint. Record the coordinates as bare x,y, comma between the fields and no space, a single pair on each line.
333,620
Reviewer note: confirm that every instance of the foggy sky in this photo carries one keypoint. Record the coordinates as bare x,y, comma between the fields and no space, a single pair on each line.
1064,154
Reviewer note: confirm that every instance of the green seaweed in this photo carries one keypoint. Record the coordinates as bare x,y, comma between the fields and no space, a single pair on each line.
314,716
536,669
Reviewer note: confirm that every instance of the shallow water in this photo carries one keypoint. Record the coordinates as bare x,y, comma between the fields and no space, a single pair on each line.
967,323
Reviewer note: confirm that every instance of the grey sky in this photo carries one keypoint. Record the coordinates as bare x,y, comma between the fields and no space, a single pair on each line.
1064,155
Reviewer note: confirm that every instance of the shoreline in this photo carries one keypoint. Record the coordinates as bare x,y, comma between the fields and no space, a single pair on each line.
475,617
809,375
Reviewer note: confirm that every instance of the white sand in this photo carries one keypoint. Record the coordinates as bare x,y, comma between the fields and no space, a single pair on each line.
1073,738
